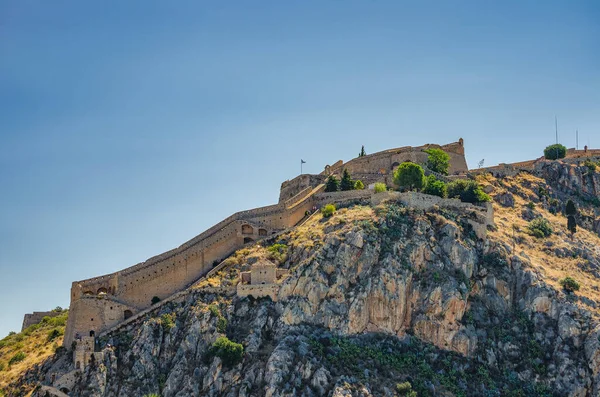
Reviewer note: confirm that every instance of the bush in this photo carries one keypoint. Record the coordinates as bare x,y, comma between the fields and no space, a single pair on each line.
569,284
2,366
380,187
405,389
278,252
346,183
359,185
591,165
467,191
328,210
410,176
230,352
438,161
18,357
155,300
435,187
55,333
555,152
332,184
540,228
530,205
572,224
168,321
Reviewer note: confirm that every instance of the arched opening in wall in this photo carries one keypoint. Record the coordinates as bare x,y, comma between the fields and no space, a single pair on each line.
92,333
395,165
102,291
247,240
262,232
88,293
64,389
78,365
127,314
247,229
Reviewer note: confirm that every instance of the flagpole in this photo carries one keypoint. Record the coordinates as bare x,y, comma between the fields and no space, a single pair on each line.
300,166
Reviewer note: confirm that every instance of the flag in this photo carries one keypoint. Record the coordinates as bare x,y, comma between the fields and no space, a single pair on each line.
302,161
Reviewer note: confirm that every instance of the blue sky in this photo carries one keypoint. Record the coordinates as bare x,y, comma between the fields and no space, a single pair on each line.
127,128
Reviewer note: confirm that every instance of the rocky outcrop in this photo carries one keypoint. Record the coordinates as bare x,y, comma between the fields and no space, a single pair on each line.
405,296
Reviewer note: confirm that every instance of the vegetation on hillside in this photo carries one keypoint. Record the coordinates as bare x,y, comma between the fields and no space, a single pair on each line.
555,152
20,351
438,160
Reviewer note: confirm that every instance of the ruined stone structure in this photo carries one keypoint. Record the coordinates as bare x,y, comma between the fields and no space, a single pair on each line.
35,317
261,280
100,303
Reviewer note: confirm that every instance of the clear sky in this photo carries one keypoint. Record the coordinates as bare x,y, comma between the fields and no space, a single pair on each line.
128,127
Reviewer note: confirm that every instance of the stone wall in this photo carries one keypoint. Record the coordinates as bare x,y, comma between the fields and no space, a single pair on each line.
258,290
35,317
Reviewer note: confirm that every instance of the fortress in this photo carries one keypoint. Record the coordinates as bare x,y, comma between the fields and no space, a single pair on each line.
101,303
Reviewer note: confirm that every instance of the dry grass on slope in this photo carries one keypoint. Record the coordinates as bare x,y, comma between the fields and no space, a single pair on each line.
542,252
19,352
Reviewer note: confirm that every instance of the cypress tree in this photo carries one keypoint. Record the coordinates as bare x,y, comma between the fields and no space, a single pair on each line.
362,152
332,184
347,183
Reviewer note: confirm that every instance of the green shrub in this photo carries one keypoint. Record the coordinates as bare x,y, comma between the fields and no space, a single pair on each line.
438,161
346,183
435,187
155,300
530,205
540,228
221,320
332,184
405,389
569,284
467,191
2,366
167,321
328,210
152,395
359,185
230,352
409,176
591,165
380,187
18,357
572,224
55,333
555,152
278,252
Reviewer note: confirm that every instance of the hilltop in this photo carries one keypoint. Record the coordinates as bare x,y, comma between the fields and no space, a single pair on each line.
388,294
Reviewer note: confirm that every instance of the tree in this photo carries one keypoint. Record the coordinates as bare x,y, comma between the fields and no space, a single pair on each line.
362,152
438,160
410,176
555,152
332,184
570,208
380,187
435,187
467,191
359,185
572,224
347,183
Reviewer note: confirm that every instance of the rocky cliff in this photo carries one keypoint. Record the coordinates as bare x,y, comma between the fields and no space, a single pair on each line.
383,300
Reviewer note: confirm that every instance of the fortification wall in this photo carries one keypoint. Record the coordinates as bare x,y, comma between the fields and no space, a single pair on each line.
341,197
258,290
35,317
292,187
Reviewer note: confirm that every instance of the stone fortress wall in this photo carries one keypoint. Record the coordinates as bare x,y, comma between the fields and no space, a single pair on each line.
100,303
35,317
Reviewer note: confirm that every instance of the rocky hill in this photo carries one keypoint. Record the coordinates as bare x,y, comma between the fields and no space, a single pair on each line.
381,300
